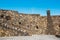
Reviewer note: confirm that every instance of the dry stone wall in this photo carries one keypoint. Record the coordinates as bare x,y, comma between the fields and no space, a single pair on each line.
13,23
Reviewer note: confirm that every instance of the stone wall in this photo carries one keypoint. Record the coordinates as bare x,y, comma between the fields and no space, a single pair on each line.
14,24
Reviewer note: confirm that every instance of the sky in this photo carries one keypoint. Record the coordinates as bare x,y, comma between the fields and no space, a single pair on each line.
32,6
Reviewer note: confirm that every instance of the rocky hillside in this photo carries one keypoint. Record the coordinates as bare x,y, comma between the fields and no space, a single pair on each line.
13,23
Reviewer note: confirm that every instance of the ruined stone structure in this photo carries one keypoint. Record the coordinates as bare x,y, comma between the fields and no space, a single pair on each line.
13,23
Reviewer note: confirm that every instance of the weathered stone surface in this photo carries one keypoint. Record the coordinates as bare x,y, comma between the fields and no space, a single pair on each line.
14,24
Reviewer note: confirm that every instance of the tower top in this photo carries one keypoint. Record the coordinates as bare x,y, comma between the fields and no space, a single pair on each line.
48,12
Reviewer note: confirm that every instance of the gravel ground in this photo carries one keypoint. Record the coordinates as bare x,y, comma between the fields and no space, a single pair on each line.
35,37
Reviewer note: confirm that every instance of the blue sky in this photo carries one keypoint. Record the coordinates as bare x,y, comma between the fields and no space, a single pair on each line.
32,6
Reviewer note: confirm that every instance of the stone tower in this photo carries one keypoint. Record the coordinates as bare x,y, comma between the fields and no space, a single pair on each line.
50,26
